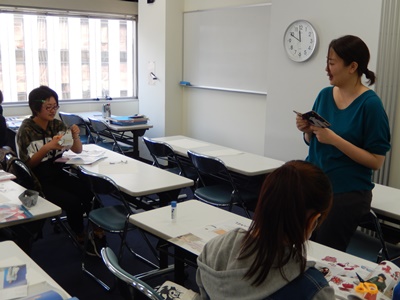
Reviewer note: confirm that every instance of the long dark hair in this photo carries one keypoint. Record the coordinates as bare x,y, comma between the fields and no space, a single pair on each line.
351,48
289,197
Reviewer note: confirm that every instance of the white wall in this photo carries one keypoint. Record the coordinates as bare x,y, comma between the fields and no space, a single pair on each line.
160,43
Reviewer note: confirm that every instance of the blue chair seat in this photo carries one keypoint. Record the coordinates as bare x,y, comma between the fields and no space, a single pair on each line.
110,218
219,195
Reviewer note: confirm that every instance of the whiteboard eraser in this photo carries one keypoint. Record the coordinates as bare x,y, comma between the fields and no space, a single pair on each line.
184,83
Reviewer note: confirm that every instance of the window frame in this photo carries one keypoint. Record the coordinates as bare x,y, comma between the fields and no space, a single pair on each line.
83,15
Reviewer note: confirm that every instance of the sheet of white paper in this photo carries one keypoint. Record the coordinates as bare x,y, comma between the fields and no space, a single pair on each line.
87,157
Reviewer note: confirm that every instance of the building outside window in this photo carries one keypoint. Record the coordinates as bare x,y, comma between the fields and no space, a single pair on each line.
80,57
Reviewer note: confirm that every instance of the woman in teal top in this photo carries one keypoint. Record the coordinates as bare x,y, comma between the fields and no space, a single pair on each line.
356,142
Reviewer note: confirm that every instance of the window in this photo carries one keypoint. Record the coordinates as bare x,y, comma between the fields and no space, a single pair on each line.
79,56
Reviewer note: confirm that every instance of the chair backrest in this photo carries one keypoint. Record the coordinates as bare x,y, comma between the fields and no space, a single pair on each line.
98,125
371,219
101,128
71,119
111,261
102,186
161,150
22,172
212,166
371,245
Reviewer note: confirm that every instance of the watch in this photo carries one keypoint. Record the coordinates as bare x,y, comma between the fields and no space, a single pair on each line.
300,40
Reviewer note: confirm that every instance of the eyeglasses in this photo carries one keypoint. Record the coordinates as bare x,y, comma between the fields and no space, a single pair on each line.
50,108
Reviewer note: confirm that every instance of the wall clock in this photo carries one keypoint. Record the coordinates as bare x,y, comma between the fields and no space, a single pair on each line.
300,40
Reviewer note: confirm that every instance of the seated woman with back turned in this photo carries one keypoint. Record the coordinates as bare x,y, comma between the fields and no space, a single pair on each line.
269,260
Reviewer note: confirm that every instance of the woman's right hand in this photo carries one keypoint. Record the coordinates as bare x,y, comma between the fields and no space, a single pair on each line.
303,125
53,144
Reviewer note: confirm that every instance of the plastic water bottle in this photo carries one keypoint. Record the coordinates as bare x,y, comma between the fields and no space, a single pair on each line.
174,211
106,110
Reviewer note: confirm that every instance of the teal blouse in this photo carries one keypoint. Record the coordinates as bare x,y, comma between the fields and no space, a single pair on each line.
363,123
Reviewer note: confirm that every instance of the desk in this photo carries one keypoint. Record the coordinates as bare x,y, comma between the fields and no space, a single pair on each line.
10,252
248,170
240,162
136,130
386,202
134,177
194,215
9,192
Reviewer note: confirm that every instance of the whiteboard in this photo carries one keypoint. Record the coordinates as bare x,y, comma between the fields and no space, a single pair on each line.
227,48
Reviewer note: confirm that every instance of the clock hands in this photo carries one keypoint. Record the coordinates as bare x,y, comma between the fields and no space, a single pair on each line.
292,35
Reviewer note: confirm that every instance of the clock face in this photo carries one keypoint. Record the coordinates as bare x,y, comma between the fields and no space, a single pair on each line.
300,40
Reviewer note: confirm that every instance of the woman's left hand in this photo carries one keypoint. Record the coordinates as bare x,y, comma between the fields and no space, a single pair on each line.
75,131
324,135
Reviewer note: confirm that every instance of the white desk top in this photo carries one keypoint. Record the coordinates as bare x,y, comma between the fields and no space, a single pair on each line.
11,254
195,216
191,215
99,116
237,161
135,177
9,192
386,201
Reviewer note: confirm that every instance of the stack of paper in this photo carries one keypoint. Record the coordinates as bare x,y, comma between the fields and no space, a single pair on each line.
6,175
86,157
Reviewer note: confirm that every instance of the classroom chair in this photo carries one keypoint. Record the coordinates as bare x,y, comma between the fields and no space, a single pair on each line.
111,262
112,218
71,119
164,152
371,246
133,281
101,129
26,178
221,190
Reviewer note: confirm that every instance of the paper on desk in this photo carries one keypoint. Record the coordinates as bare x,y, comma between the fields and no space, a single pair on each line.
13,283
6,175
9,193
187,143
86,157
13,212
195,240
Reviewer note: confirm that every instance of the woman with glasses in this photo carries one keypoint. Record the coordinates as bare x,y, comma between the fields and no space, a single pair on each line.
39,140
